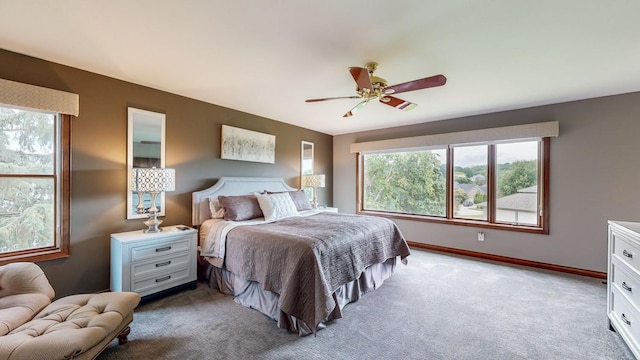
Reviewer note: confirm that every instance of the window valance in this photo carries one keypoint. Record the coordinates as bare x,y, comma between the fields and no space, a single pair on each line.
38,98
415,143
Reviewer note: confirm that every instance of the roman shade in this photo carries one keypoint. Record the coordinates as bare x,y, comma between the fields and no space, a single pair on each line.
38,98
415,143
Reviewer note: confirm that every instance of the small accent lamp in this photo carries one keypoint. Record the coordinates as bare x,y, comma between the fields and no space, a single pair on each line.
313,181
154,181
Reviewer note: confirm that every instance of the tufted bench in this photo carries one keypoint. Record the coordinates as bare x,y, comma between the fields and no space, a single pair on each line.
73,327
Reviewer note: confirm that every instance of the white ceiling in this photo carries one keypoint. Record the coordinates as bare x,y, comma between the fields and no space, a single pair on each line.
266,57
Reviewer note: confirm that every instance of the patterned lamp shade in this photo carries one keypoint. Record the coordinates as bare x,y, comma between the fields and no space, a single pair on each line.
313,180
153,179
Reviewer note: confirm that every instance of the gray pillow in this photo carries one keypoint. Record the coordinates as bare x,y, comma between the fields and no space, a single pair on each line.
242,207
299,198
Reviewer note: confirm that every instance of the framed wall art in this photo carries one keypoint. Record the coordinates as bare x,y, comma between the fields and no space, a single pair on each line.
246,145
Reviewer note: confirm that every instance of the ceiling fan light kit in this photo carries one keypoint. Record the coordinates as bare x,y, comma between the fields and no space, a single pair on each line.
370,87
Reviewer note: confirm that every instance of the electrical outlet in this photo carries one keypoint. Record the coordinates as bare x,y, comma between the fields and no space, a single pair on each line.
480,236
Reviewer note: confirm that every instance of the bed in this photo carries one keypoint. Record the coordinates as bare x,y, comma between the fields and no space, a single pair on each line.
263,244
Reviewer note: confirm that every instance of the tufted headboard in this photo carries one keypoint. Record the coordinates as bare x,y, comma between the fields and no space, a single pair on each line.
230,186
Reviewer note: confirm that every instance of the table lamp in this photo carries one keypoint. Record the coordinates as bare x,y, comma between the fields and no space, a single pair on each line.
154,181
313,181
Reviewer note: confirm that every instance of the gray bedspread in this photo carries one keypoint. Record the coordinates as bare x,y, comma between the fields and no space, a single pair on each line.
305,259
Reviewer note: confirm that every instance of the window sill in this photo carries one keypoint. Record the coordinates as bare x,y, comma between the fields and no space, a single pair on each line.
462,222
32,256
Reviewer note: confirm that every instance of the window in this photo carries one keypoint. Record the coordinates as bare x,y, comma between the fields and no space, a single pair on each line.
496,185
407,182
470,164
516,190
34,185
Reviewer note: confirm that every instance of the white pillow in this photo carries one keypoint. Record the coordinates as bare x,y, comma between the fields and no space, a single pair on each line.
276,206
217,211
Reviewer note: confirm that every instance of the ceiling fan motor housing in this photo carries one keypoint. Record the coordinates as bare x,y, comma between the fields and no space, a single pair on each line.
377,83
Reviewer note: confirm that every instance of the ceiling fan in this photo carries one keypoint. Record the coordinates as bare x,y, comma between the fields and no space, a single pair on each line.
370,87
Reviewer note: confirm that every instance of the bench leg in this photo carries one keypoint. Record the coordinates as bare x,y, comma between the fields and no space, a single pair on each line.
122,338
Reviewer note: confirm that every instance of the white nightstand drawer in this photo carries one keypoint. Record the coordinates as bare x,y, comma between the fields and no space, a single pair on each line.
625,249
161,248
160,265
160,281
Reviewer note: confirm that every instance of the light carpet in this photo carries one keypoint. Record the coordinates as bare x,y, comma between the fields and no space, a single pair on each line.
440,306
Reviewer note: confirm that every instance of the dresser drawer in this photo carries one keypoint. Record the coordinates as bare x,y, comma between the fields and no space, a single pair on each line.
160,249
625,249
161,281
625,318
160,265
626,281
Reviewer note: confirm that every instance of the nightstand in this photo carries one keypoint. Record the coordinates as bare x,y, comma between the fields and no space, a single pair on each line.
154,263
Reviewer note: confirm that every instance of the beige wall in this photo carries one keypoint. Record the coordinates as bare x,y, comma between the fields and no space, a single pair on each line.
594,177
593,169
99,145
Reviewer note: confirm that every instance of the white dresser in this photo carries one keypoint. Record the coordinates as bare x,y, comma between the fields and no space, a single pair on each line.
154,262
623,282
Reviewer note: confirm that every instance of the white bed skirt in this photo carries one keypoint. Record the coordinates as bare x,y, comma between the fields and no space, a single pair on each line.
250,294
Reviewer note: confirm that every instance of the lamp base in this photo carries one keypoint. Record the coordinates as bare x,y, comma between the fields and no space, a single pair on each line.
140,207
153,223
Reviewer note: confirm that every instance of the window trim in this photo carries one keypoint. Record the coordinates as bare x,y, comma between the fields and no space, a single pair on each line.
61,246
543,181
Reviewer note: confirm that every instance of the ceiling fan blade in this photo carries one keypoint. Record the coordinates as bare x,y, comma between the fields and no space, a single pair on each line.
398,103
333,98
361,76
433,81
357,108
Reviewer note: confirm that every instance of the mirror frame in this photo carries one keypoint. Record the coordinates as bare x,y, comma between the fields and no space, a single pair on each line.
303,169
302,158
140,116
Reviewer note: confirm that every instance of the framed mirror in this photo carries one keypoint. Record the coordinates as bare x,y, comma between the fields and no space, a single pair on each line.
306,163
306,158
145,149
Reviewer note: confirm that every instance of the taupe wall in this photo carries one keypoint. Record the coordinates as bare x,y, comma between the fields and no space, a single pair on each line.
594,177
99,145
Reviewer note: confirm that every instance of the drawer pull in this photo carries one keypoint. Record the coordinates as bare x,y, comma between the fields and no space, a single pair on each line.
627,254
624,318
169,248
169,277
169,262
626,287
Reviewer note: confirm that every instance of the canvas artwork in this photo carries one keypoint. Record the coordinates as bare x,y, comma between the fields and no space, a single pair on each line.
247,145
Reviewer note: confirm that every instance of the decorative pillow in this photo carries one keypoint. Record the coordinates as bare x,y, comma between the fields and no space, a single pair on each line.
217,211
276,206
299,199
242,207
